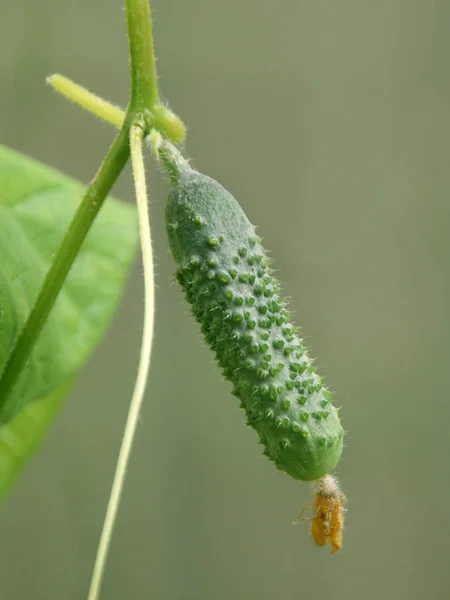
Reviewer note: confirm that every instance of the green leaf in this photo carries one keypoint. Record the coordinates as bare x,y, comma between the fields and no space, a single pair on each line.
20,437
36,206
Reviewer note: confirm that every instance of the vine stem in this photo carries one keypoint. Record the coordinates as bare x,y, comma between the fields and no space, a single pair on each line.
144,80
144,98
136,140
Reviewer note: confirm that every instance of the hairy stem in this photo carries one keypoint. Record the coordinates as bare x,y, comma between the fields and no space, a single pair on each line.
136,138
87,100
144,79
92,201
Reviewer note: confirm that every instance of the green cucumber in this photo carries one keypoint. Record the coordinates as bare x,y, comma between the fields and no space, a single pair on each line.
225,274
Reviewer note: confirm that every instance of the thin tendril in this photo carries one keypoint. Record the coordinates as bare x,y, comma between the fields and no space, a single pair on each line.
136,138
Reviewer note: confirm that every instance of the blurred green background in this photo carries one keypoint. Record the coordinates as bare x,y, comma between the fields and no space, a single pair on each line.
330,122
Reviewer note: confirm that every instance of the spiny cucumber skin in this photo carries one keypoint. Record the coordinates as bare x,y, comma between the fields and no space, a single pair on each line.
226,278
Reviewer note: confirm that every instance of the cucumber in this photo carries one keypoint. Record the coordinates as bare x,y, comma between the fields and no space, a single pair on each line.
225,274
